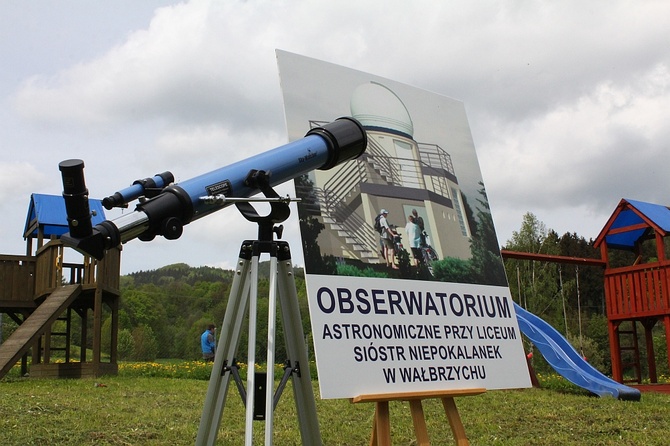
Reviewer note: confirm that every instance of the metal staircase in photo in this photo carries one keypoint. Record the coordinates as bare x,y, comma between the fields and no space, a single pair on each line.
339,198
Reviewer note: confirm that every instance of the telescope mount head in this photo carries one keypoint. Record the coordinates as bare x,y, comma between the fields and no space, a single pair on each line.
279,210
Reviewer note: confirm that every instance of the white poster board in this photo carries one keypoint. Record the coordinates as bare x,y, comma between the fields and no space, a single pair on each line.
372,336
427,309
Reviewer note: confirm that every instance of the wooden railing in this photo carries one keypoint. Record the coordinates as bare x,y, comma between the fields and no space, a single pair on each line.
49,267
26,278
17,282
108,269
638,291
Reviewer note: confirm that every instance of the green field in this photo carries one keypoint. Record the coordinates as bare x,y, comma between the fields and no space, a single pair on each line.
136,409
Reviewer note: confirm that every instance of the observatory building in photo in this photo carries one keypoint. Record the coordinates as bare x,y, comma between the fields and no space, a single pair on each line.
395,173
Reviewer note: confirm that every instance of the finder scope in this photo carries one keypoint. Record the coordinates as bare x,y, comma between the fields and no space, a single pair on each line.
148,187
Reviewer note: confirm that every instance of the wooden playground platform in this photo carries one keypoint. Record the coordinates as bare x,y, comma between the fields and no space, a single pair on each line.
33,294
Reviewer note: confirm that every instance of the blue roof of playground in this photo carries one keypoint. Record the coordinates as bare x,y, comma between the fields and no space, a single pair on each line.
48,212
640,214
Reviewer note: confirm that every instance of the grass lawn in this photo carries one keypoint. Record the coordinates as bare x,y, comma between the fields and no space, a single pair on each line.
138,410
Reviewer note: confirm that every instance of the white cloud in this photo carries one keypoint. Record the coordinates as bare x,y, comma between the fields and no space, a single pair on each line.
19,179
197,149
566,100
607,145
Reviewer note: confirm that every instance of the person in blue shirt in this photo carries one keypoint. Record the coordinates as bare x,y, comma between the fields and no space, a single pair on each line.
208,343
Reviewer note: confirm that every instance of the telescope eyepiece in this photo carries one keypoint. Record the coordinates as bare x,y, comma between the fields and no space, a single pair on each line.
75,195
113,201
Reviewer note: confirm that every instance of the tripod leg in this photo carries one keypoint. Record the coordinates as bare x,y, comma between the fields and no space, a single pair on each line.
251,353
303,391
270,362
225,352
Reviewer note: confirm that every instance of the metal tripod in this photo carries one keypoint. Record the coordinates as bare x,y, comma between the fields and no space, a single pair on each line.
244,293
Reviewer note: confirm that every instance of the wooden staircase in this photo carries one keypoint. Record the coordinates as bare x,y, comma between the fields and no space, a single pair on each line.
629,352
36,325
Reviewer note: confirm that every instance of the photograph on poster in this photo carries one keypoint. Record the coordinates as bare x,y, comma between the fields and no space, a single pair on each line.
406,286
413,206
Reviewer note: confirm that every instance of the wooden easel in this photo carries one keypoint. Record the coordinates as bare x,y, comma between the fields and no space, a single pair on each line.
381,427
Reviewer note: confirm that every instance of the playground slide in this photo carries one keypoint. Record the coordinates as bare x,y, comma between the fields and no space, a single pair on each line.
560,354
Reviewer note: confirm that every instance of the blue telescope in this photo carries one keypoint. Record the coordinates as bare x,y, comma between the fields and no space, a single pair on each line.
176,205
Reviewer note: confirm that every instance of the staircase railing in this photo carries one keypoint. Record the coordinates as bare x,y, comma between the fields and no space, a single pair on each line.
359,233
377,158
335,207
375,165
436,157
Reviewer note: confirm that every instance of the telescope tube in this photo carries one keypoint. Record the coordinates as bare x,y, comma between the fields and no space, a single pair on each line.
179,204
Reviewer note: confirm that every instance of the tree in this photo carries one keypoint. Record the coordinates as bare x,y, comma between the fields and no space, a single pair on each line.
310,228
567,296
486,262
533,283
531,236
126,344
590,286
145,347
451,269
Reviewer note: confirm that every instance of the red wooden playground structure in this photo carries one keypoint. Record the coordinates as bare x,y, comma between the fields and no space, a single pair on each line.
637,293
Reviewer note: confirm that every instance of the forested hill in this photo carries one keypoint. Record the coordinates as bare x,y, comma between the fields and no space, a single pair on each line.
181,272
164,311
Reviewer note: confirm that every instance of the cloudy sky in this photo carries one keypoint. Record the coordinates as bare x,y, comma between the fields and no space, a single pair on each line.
568,101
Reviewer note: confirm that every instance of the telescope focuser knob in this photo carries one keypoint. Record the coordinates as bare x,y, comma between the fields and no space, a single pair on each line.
172,228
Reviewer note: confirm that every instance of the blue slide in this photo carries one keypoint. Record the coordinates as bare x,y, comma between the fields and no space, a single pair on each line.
566,361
